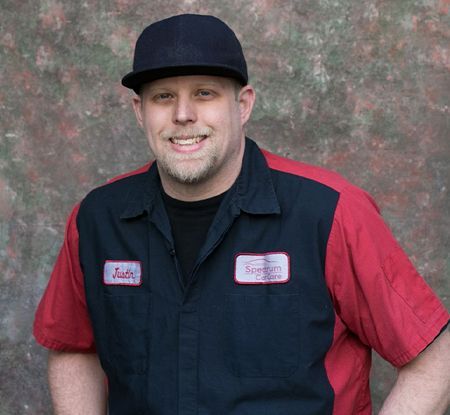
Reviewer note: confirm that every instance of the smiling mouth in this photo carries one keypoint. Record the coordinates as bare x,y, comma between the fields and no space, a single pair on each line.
187,141
187,136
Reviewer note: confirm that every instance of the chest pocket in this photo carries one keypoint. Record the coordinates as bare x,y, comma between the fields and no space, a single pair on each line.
262,335
127,331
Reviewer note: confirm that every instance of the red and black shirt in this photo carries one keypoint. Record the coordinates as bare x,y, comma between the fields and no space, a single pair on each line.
298,279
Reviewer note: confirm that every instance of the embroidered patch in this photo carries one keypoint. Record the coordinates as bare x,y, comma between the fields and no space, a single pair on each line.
266,268
122,273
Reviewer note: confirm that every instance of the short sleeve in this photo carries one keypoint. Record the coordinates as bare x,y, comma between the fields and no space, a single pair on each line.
376,290
62,322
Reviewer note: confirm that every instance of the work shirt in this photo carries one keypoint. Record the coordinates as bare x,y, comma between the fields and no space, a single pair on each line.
298,279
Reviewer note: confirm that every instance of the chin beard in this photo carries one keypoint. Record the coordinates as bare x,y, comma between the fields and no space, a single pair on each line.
188,175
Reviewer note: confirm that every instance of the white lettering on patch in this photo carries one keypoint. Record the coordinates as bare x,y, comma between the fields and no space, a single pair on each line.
122,273
266,268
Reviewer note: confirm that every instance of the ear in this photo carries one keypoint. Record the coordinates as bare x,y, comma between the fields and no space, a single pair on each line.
137,106
247,96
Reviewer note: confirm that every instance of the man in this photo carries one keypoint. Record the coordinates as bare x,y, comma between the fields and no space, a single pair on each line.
223,279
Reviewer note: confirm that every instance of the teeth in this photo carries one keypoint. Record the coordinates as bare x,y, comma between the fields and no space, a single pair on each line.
187,141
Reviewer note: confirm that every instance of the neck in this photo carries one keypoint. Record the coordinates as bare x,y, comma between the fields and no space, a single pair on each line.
196,191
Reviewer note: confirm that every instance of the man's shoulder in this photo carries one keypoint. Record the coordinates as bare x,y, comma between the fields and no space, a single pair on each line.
117,190
350,196
124,180
139,171
317,174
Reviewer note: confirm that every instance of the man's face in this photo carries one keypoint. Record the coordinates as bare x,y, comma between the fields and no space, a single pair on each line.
194,125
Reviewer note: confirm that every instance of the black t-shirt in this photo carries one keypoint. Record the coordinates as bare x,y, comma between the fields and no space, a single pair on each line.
190,222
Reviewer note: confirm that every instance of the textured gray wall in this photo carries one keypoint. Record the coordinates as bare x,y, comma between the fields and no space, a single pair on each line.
361,87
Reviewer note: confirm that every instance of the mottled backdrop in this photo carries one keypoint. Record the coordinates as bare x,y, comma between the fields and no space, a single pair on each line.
358,86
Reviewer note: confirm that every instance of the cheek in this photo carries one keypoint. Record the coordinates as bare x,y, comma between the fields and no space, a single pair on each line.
155,118
151,133
221,119
152,130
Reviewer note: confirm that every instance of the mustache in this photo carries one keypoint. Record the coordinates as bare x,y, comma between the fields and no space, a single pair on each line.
185,133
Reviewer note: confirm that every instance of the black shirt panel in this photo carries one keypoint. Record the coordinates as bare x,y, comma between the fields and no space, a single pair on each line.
190,222
219,346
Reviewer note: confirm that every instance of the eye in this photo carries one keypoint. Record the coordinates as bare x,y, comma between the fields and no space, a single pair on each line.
163,96
204,93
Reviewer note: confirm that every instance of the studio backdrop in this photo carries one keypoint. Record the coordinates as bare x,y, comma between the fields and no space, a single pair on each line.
360,87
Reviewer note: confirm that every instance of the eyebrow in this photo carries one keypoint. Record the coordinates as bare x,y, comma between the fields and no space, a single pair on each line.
199,84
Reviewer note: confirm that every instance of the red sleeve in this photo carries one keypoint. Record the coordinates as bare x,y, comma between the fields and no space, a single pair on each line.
61,320
376,291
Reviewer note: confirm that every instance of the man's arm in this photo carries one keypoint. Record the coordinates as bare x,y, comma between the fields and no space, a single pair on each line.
77,384
423,385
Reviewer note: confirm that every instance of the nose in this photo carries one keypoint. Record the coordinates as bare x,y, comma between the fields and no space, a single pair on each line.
184,111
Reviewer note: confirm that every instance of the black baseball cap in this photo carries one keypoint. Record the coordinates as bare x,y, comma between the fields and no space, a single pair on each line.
186,44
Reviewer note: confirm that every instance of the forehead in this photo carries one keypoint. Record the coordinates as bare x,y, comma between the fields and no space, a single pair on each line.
190,81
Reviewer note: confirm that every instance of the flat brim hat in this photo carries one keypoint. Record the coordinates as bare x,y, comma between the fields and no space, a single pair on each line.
187,44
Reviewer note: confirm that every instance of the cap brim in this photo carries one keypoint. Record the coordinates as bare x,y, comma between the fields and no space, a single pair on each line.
134,80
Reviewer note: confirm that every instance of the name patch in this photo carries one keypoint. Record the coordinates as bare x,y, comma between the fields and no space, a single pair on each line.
122,273
266,268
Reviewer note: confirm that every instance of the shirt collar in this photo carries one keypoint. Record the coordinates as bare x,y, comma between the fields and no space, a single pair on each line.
253,190
141,198
254,187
